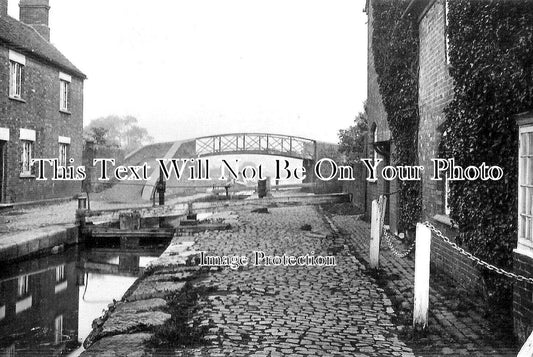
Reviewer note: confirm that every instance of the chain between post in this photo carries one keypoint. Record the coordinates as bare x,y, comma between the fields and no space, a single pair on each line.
388,236
476,259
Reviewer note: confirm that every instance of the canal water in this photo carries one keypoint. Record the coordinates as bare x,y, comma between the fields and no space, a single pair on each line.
47,304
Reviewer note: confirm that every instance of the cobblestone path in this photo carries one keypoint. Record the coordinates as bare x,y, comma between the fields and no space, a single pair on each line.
457,323
292,310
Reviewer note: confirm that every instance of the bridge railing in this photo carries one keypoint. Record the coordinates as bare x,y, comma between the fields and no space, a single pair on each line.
255,142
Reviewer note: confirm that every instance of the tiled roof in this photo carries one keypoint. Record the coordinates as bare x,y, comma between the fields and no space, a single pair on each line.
23,38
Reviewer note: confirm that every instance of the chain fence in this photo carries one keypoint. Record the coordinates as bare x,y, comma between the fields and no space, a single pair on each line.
389,237
382,202
476,259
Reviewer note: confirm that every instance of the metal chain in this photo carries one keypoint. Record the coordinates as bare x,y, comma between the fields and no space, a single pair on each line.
476,259
389,237
382,202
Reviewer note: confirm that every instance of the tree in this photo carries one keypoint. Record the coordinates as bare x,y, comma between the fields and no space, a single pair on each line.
123,132
99,135
352,140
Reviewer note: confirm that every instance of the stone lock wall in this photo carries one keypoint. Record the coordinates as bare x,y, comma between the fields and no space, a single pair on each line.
39,110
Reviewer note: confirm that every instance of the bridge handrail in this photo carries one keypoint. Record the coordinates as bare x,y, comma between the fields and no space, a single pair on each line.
262,134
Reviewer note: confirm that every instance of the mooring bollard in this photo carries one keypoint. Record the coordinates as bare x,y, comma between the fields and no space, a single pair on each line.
261,188
81,215
421,290
374,235
81,212
82,202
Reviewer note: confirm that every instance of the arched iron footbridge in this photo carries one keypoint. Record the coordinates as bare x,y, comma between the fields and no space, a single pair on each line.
256,143
228,144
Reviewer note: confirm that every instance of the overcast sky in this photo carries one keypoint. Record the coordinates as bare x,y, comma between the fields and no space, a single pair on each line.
187,68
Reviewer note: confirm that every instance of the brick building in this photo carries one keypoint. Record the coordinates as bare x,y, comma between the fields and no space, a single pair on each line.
435,91
379,140
41,106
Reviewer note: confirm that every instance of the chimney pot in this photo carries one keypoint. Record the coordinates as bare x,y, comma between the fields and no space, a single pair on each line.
35,14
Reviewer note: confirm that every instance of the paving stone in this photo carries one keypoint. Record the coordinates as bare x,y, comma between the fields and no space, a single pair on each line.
119,346
140,306
123,322
155,289
178,275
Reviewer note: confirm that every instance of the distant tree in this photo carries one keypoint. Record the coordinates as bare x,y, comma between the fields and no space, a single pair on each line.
352,140
123,132
99,135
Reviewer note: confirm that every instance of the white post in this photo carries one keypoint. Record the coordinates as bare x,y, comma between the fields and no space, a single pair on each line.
527,348
421,294
374,235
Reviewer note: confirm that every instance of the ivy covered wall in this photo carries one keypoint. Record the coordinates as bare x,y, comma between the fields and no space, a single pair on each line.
490,46
395,50
491,57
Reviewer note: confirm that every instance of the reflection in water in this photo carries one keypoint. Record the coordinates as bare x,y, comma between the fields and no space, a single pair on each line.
47,304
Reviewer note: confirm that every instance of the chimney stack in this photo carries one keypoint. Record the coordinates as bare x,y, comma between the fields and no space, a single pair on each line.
35,14
3,7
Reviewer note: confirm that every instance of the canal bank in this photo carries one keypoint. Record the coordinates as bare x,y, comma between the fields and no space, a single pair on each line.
47,303
252,310
39,241
153,315
33,237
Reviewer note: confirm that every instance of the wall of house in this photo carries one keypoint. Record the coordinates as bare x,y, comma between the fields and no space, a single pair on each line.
356,187
39,111
378,116
435,92
522,293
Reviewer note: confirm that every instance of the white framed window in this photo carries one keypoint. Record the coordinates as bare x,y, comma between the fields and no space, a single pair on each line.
23,304
58,329
4,134
23,285
525,186
27,139
64,147
9,351
16,70
64,90
15,79
26,156
64,95
63,154
60,272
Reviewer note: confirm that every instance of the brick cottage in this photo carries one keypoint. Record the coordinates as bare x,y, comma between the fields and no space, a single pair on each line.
435,92
41,106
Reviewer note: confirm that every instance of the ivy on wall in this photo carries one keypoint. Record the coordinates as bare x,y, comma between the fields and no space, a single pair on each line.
491,57
395,50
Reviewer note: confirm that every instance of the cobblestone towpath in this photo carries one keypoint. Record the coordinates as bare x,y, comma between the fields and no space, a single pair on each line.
275,310
294,310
